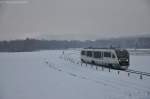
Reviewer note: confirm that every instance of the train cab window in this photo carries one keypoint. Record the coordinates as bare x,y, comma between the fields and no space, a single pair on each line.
97,54
89,53
113,56
107,54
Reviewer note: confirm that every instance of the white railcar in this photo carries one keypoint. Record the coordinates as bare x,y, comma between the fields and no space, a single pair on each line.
113,58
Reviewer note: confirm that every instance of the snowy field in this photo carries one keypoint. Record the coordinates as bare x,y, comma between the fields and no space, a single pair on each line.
52,75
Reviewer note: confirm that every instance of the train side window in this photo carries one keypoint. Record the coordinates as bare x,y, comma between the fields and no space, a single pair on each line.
100,55
97,54
82,52
107,54
89,53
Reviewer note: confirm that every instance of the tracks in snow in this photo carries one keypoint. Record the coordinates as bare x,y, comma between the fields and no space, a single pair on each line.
117,85
74,70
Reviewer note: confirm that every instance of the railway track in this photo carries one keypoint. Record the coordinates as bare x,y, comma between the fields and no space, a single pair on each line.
138,72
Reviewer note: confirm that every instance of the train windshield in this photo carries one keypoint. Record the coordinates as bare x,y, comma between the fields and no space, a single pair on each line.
122,53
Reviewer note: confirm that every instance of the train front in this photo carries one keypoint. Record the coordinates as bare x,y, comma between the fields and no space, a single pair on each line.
123,58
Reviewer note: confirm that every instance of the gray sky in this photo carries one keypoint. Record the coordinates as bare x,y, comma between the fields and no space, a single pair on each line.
73,19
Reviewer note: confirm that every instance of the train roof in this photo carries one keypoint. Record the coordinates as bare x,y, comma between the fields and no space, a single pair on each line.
116,49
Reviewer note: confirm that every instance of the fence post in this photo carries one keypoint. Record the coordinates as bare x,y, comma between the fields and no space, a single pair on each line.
46,62
128,74
102,68
96,68
118,72
141,76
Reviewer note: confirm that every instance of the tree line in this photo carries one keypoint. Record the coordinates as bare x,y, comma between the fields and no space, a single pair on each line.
29,44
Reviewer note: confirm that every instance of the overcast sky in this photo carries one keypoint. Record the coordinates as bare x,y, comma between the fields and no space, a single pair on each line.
73,19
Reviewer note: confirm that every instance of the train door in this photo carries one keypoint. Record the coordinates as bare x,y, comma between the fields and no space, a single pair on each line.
102,58
107,58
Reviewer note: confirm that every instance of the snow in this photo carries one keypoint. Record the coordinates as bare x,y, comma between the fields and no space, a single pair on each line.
52,75
140,62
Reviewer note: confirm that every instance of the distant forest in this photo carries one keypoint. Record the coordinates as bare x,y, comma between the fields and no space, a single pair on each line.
34,44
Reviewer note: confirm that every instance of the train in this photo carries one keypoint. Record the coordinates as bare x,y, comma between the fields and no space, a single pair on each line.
112,58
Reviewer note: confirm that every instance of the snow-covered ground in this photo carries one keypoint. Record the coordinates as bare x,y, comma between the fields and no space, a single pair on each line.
52,75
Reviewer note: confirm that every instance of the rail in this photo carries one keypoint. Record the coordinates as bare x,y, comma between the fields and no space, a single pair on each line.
138,72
